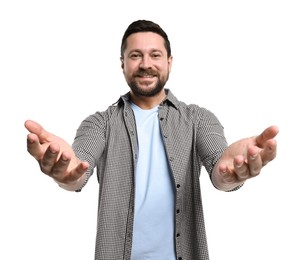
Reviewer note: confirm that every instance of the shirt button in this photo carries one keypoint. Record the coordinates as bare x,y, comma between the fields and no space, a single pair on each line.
178,211
178,234
178,185
179,258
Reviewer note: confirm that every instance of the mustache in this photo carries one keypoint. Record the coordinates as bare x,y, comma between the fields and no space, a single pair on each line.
146,72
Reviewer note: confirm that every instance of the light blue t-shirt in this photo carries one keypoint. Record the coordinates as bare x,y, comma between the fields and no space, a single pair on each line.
153,236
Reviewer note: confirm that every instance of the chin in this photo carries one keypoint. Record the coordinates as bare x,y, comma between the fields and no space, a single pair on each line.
149,89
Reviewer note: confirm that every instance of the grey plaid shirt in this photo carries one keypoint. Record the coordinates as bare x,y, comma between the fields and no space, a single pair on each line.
193,137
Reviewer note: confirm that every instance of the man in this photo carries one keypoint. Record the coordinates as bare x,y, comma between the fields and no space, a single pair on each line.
148,149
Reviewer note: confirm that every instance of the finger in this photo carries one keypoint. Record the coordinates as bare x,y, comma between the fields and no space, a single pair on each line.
228,177
49,159
267,134
60,167
269,151
254,162
34,147
241,168
61,173
79,170
37,129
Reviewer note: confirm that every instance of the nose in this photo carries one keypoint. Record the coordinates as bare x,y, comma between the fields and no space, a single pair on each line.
145,62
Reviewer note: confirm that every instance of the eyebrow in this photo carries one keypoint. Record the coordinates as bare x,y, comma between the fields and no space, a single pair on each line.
152,50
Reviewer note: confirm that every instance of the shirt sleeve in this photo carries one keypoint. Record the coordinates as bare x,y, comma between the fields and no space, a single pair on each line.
89,141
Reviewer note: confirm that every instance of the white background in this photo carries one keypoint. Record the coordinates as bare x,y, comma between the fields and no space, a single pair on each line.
59,62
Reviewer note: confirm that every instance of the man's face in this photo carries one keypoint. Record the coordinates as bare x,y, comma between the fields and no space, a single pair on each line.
145,64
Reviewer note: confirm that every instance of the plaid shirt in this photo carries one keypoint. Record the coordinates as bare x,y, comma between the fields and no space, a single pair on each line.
193,137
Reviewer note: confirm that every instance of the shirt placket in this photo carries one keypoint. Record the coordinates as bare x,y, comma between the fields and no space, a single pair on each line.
129,121
163,112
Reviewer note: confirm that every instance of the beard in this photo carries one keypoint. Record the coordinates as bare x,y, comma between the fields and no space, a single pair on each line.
147,92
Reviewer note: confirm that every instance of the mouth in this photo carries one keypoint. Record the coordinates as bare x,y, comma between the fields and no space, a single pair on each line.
146,76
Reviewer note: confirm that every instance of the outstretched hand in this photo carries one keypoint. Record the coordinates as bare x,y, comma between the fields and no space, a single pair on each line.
55,156
244,159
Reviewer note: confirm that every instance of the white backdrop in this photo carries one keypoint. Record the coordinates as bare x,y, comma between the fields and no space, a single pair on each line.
59,62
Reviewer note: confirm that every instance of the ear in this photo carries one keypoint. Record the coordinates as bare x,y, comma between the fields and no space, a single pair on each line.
122,62
170,62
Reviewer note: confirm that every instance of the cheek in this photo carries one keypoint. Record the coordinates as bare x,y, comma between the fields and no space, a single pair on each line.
165,69
129,69
127,73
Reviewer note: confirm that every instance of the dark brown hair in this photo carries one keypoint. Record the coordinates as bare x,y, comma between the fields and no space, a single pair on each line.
145,26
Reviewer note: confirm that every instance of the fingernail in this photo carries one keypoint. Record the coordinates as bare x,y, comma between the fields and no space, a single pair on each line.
52,150
238,165
253,157
64,158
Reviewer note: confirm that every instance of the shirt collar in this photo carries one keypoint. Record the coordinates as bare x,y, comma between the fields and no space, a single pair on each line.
169,100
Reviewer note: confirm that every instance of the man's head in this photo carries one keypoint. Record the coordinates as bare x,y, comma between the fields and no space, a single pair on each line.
145,58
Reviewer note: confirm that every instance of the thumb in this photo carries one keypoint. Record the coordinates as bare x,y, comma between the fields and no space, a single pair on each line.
35,128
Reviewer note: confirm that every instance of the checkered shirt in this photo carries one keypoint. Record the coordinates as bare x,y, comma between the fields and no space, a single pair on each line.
193,138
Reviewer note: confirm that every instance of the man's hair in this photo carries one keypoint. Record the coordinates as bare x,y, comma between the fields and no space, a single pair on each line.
145,26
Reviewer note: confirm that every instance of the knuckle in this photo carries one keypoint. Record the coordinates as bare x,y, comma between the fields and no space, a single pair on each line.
45,164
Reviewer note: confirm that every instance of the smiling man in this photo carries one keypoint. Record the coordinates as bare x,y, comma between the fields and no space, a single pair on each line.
148,149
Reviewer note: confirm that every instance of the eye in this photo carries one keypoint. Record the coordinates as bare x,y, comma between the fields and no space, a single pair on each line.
156,55
135,55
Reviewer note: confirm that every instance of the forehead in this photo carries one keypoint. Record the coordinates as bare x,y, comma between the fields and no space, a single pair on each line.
145,41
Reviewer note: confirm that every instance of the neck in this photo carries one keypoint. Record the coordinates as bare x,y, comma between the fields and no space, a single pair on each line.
148,102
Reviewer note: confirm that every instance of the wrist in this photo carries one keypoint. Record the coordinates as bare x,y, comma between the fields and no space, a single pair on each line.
77,185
